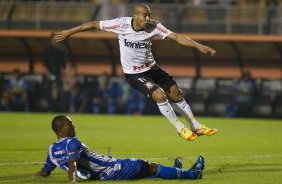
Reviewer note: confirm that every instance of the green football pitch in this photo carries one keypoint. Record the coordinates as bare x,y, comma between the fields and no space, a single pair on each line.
243,151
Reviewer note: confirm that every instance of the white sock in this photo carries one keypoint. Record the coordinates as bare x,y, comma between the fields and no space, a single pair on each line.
168,112
184,109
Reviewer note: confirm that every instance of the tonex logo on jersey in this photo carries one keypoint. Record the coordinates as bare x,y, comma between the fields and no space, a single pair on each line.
136,45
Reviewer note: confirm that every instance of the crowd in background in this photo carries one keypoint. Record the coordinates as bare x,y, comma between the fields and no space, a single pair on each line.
62,89
70,93
66,91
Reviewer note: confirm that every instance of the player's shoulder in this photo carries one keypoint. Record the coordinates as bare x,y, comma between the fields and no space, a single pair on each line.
73,143
155,21
151,25
125,20
67,140
122,19
120,22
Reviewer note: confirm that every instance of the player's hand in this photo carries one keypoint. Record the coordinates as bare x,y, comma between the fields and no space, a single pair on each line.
37,173
206,49
60,36
42,173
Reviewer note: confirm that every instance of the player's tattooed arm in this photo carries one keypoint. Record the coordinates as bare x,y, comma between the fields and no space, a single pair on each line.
62,35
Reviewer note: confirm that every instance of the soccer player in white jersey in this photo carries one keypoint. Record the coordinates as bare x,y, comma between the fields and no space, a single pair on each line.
75,158
135,36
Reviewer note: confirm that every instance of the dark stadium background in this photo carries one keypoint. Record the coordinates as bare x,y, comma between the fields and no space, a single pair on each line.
246,35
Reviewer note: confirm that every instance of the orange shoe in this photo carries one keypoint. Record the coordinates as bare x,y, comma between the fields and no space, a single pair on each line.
187,134
204,130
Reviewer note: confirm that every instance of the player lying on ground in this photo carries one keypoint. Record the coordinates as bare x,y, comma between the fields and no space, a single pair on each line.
76,159
141,71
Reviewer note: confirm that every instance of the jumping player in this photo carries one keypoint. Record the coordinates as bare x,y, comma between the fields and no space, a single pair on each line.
135,36
76,159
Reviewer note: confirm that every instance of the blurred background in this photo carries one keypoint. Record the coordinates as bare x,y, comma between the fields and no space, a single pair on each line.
83,74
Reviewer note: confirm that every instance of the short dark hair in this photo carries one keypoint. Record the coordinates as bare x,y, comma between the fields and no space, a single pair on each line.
57,123
140,5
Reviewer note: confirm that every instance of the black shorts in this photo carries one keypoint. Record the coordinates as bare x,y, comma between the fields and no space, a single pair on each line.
147,82
144,170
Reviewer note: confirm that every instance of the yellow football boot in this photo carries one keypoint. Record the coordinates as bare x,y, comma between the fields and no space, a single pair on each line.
204,130
187,134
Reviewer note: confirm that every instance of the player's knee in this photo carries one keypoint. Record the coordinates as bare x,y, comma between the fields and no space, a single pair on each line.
159,95
153,168
175,93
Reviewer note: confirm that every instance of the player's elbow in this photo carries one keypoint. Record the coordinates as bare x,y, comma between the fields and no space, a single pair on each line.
95,25
184,40
89,25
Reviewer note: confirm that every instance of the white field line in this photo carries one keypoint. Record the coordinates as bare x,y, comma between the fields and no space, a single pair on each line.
159,158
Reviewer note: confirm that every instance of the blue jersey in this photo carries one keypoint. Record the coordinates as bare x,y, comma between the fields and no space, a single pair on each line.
91,165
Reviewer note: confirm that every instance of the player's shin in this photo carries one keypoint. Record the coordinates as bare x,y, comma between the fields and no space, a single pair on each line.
167,111
175,173
184,109
167,172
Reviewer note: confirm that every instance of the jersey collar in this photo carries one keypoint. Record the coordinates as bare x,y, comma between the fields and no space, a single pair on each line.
61,139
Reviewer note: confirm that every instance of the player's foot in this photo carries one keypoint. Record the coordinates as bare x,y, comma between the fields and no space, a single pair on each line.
177,163
198,167
199,164
204,130
187,134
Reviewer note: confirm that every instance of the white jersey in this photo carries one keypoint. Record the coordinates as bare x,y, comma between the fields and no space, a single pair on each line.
135,46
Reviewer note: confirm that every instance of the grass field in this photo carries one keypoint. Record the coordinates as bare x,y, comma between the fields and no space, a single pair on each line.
243,151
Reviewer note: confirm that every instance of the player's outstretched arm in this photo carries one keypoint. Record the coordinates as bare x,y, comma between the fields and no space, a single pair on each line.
62,35
42,173
186,41
71,171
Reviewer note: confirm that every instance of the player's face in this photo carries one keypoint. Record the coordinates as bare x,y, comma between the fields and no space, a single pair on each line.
142,17
68,128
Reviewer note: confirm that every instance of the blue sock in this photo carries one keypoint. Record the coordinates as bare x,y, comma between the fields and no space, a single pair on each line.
174,173
189,174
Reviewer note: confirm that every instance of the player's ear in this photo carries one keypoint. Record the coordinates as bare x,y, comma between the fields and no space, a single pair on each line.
61,130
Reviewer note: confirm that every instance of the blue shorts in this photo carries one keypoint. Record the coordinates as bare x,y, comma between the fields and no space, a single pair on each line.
126,169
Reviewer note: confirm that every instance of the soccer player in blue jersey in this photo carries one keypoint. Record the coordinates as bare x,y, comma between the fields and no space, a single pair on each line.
71,155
